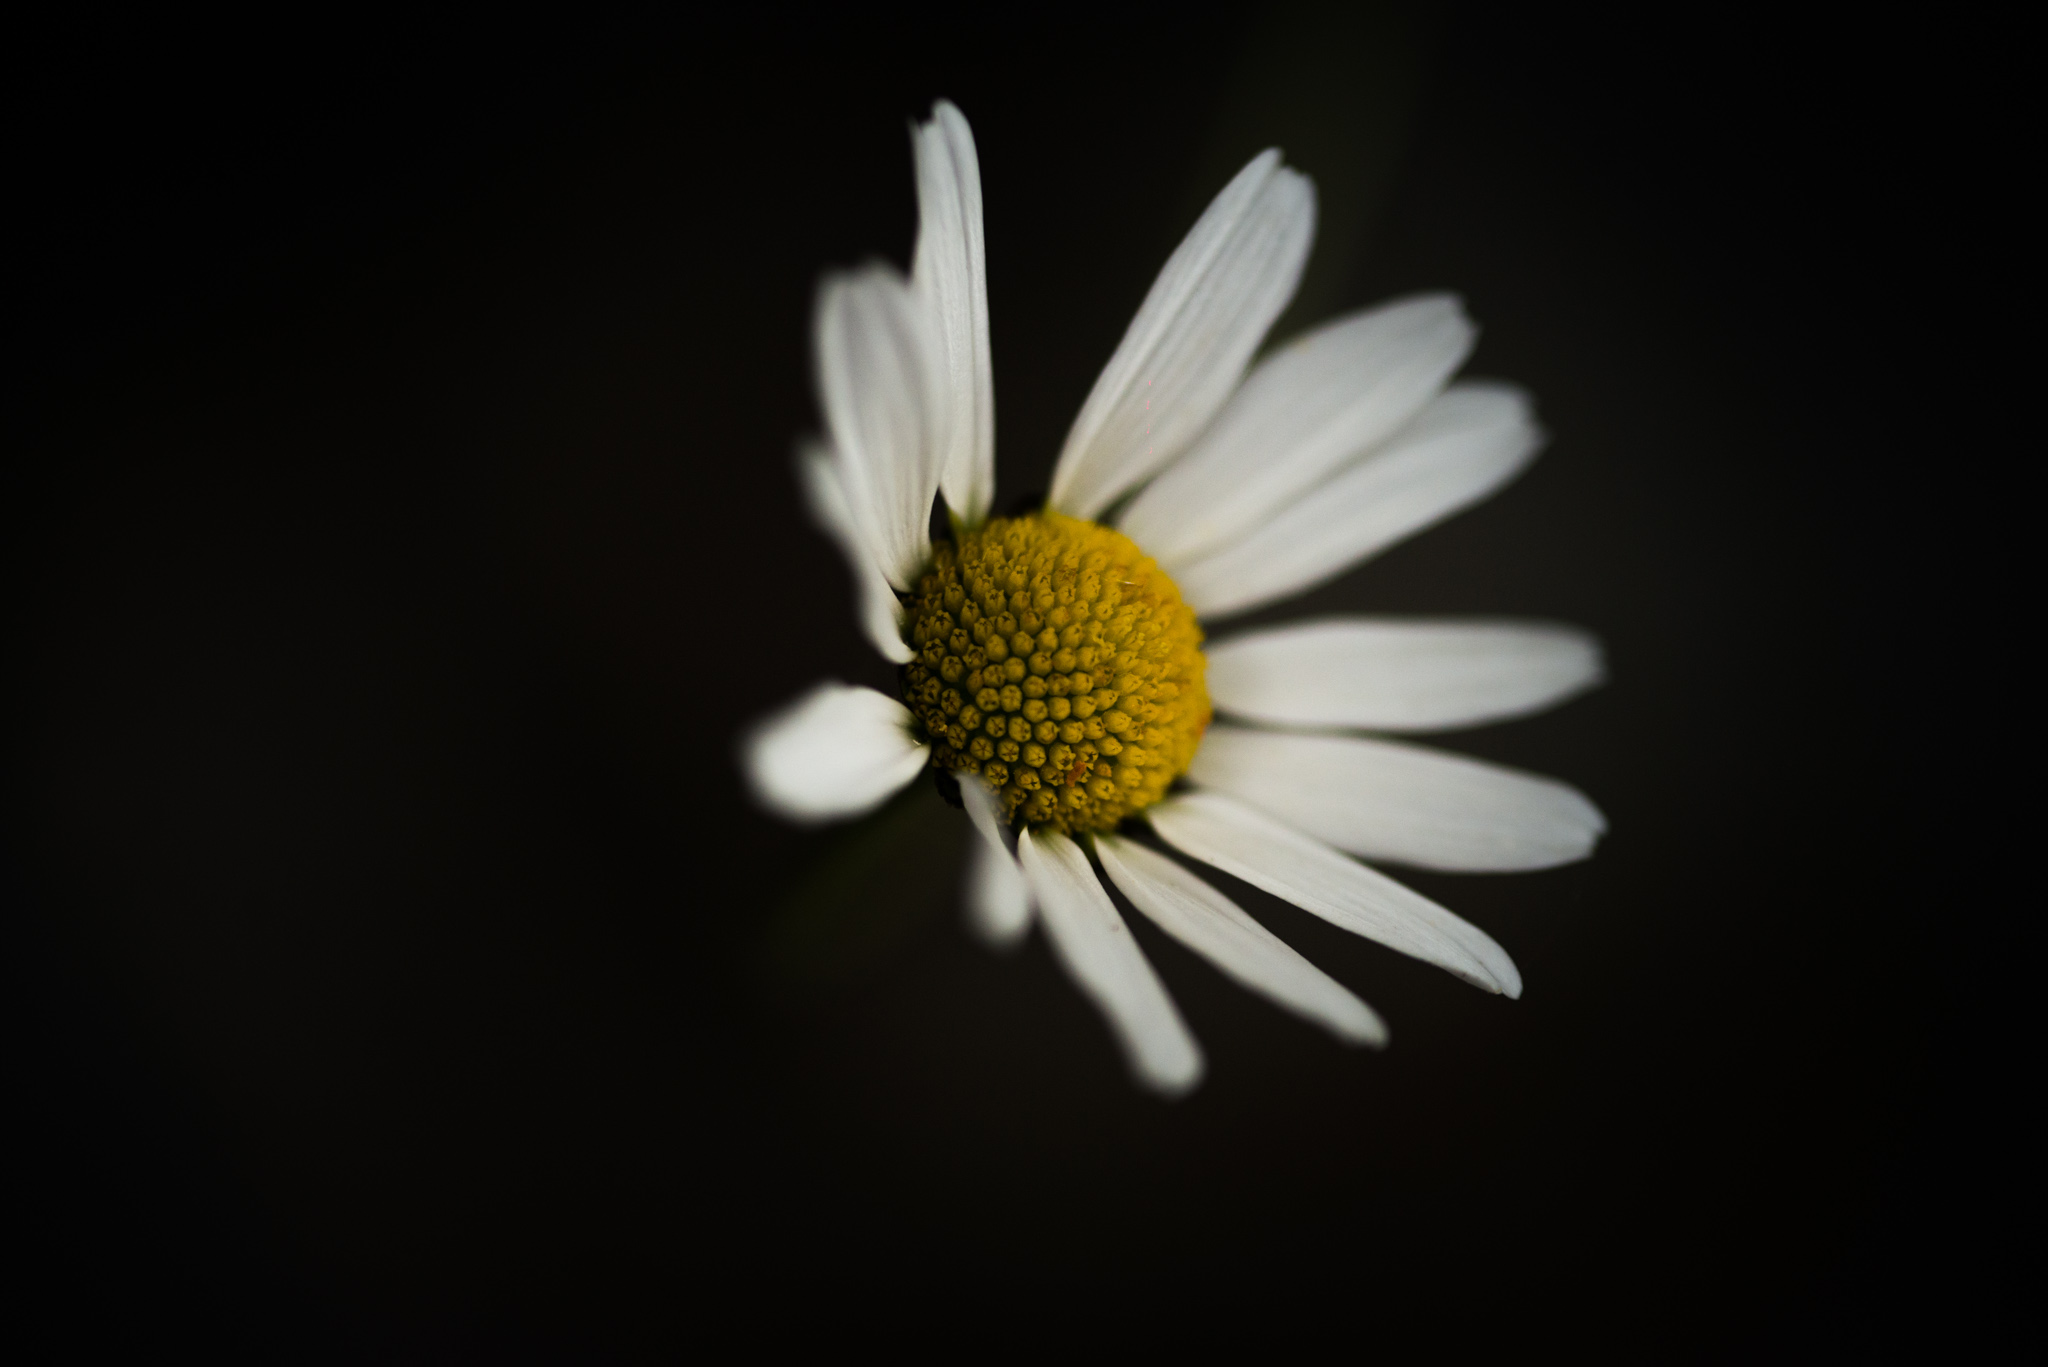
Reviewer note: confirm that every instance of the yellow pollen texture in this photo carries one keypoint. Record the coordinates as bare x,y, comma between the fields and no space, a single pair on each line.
1056,660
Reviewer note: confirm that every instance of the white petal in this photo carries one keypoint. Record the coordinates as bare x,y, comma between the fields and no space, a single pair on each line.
1402,803
1312,407
1250,845
1215,927
998,900
1386,675
881,613
875,378
837,751
1467,443
1096,947
951,281
1187,348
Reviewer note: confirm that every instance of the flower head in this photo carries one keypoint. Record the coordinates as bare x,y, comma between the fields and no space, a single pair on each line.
1057,663
1056,668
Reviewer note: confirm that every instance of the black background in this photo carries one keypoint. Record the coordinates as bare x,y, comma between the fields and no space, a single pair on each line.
403,528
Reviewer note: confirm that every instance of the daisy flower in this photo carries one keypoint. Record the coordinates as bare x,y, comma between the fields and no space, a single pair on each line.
1055,665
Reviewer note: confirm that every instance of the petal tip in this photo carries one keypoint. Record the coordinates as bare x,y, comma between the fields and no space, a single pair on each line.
1175,1082
1003,937
1367,1031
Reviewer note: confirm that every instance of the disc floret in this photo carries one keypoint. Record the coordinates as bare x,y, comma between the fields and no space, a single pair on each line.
1058,662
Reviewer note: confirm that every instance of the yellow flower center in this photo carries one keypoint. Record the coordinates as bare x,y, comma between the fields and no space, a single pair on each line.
1056,660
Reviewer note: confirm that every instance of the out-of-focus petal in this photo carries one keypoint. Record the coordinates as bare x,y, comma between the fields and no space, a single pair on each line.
998,899
876,380
838,751
880,612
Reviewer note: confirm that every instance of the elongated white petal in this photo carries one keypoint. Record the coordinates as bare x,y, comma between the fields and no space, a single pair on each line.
998,900
1196,331
1467,443
1402,803
1096,947
836,752
1215,927
1379,674
998,904
1247,843
879,610
1311,408
950,277
875,379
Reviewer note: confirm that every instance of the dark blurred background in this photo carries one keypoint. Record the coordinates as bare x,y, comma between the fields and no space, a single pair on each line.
399,436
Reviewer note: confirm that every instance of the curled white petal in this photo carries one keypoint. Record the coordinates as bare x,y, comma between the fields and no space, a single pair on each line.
837,751
1402,803
1269,854
949,274
1378,674
1192,338
875,378
1215,927
998,899
1097,949
1311,408
880,611
1468,442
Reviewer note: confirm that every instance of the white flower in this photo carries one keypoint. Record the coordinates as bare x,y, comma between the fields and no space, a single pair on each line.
1057,665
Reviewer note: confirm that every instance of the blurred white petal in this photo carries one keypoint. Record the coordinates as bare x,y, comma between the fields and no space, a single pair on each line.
1401,803
1469,441
880,612
1387,675
1192,338
948,273
875,379
1097,949
1215,927
998,899
838,751
1311,408
1248,844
